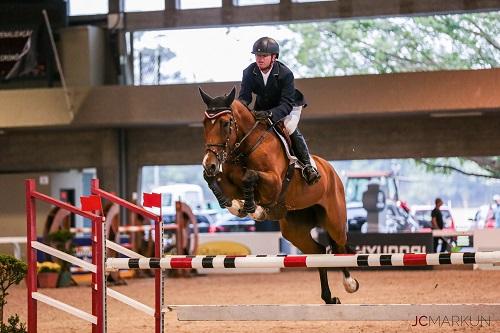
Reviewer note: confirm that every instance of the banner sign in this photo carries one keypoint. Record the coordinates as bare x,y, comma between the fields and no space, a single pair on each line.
391,243
18,56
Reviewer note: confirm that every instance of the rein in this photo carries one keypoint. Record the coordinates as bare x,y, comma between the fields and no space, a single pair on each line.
234,155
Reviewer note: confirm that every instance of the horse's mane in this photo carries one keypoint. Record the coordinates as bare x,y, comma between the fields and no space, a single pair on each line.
239,106
239,103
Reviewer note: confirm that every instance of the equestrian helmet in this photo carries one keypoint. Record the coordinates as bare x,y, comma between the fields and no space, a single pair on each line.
266,45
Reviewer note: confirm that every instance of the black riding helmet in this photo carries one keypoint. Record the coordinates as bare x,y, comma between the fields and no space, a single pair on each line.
266,45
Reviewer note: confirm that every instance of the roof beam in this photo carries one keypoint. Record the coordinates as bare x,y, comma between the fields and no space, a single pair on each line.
288,12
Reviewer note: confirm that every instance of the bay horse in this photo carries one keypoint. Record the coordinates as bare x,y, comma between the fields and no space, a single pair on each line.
245,165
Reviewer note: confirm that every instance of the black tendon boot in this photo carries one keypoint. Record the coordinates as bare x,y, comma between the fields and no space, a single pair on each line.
310,174
212,184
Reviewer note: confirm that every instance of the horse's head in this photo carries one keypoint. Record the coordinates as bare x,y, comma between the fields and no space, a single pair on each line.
220,131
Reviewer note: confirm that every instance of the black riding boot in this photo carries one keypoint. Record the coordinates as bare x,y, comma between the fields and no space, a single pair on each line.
310,174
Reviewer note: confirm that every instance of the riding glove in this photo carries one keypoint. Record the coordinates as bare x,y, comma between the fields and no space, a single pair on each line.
262,115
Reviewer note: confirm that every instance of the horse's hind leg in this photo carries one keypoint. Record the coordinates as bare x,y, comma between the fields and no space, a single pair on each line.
326,294
351,285
296,230
333,221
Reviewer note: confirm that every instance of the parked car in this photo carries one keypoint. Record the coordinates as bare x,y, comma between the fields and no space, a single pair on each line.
484,218
204,222
422,214
231,223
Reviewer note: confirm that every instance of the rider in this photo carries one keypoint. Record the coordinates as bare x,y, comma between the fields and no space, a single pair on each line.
273,83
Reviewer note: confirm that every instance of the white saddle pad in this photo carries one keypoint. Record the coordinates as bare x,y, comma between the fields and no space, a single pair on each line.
292,159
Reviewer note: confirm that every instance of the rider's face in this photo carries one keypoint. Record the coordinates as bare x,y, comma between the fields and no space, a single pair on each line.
263,61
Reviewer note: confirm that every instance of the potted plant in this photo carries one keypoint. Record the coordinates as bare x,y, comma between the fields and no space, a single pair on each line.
12,271
48,274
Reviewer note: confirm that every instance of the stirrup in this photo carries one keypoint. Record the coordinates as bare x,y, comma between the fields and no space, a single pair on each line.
311,176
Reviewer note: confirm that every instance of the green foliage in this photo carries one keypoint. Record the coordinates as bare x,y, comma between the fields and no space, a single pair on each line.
12,271
487,167
14,325
388,45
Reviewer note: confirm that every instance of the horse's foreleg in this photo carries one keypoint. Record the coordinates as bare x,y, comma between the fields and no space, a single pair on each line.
214,186
250,179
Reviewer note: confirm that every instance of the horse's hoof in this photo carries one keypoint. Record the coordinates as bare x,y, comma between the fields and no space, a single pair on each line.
235,208
351,285
259,214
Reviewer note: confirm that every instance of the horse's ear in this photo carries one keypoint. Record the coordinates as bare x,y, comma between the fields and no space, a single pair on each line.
206,97
230,98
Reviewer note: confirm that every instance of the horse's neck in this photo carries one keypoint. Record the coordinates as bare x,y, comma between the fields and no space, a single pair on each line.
246,122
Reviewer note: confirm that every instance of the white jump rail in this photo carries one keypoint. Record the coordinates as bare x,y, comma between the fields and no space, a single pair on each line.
130,301
336,312
64,307
64,256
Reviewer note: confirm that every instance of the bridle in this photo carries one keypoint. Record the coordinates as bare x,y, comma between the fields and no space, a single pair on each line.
220,150
223,150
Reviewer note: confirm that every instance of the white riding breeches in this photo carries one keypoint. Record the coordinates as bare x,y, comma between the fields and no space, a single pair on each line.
292,120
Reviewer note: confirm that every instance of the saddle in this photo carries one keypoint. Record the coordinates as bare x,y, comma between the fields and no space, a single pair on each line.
282,133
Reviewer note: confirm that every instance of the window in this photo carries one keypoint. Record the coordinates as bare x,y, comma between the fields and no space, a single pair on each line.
311,0
254,2
166,199
144,6
87,7
194,4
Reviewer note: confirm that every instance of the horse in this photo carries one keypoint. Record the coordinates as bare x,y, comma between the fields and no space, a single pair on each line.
245,166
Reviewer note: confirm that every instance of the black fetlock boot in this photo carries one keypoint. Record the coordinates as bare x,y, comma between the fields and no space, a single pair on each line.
310,174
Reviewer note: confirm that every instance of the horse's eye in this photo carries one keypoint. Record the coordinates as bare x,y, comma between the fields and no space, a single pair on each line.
226,124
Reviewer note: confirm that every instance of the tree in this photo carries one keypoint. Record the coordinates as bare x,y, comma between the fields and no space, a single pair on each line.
485,166
388,45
